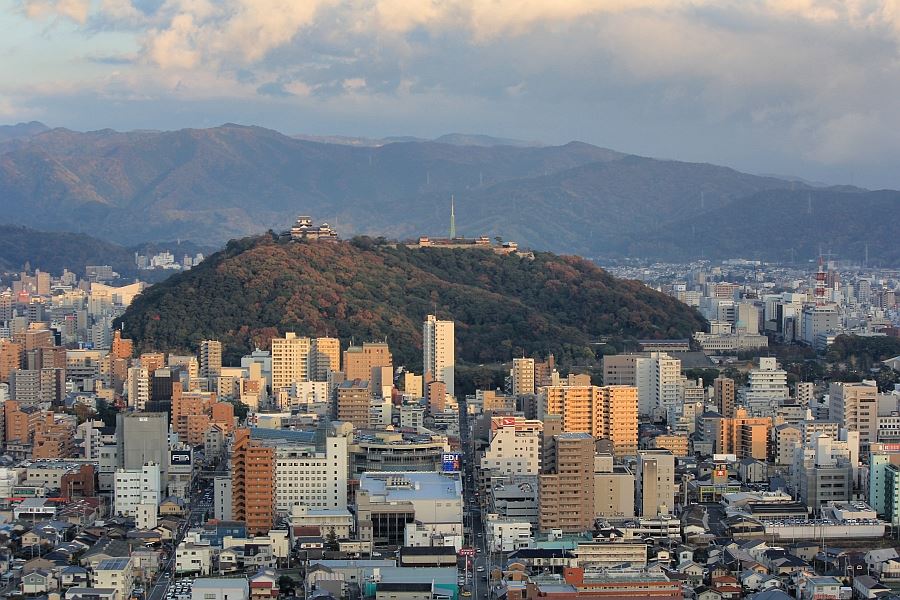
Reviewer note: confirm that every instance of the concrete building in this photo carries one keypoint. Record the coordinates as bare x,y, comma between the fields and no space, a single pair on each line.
818,320
566,495
142,438
137,388
377,450
211,588
821,473
439,351
724,394
360,360
613,489
135,488
222,498
662,397
855,407
325,356
515,447
884,462
210,358
387,502
252,472
352,402
116,574
507,535
313,476
609,412
290,360
522,376
656,484
621,369
605,555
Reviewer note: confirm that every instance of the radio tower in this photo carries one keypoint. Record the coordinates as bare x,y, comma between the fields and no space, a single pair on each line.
452,219
820,282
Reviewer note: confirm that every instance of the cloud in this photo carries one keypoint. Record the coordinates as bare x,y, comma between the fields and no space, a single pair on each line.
811,79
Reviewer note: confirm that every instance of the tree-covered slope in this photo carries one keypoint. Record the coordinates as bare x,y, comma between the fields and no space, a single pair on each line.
503,306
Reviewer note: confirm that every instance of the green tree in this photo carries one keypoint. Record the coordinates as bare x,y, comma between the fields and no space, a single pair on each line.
331,541
286,585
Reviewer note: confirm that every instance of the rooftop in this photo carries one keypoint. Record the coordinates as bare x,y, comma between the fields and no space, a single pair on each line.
412,485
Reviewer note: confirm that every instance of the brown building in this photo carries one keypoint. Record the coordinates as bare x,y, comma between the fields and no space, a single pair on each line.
53,438
566,490
674,443
744,436
21,422
10,358
252,483
436,395
121,348
193,413
360,360
153,361
352,402
723,392
79,483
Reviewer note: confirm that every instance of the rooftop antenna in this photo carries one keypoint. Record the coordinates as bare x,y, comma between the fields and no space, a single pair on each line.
452,218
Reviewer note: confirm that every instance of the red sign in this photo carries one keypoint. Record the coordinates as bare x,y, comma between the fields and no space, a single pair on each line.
466,552
508,421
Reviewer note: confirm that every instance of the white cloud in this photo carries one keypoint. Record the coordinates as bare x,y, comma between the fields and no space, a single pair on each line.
76,10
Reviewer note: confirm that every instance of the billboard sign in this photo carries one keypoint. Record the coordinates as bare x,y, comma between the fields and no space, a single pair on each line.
450,462
181,458
466,552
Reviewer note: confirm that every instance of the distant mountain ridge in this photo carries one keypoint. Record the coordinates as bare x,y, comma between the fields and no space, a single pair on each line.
210,185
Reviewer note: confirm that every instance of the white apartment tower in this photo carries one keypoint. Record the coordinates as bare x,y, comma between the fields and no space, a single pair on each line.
439,354
659,385
290,361
138,388
312,477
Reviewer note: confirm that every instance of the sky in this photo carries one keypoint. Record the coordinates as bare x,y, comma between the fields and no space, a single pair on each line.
807,88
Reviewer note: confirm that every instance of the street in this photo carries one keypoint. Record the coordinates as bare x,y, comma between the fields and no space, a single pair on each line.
479,581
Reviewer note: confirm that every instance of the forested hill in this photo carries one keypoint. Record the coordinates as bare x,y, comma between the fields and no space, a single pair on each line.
503,306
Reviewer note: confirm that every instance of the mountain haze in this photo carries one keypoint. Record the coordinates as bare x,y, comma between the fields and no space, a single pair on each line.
210,185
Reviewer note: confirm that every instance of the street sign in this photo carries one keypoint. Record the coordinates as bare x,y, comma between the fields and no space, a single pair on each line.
466,552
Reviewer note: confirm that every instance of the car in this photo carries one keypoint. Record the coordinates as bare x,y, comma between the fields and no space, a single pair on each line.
466,593
480,569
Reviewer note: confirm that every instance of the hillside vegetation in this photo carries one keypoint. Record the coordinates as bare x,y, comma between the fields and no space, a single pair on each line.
364,290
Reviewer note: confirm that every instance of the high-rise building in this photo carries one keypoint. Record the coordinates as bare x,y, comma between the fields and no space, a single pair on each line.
136,487
325,356
609,412
120,347
141,438
566,489
210,358
884,464
25,386
805,393
855,407
522,375
724,394
439,351
252,483
656,485
621,369
352,402
659,385
360,360
290,361
10,359
137,388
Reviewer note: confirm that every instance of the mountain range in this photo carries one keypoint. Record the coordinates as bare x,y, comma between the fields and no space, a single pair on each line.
211,185
366,289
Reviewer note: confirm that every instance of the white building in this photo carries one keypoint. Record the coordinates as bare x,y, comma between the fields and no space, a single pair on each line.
339,521
662,394
137,487
220,589
116,574
222,498
305,475
137,388
290,361
438,351
515,447
507,535
766,386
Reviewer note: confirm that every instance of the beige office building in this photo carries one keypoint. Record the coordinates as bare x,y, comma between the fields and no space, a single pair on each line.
656,484
566,489
522,376
290,361
855,407
620,369
210,358
352,404
325,356
613,489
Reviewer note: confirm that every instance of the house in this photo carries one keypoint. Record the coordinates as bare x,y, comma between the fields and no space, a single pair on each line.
705,593
73,575
751,470
750,579
264,585
728,587
172,507
693,572
867,587
814,587
38,582
105,548
773,594
212,588
876,559
91,593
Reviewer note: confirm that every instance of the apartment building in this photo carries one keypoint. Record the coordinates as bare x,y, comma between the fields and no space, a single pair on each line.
566,492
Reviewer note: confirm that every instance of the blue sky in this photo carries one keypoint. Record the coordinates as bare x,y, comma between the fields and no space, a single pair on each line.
800,87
